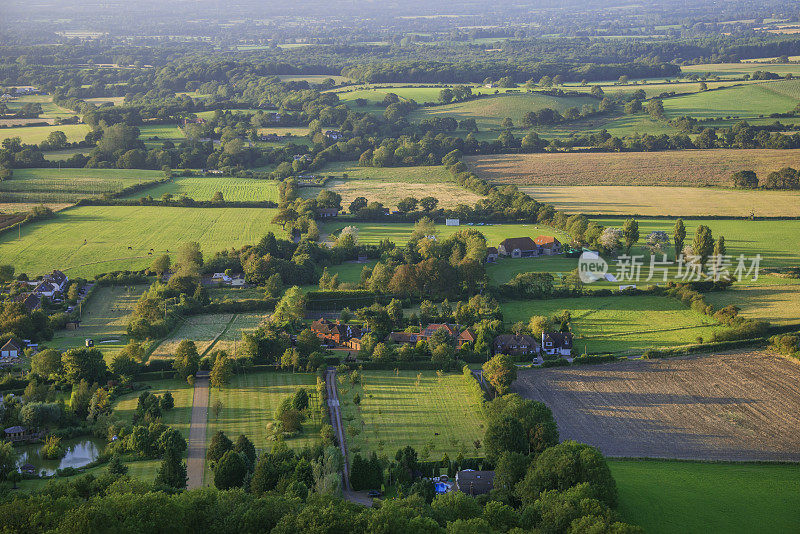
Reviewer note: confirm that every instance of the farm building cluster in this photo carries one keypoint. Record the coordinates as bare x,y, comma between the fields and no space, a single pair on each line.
525,247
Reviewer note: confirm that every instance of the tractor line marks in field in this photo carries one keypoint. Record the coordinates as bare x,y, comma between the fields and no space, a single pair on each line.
216,338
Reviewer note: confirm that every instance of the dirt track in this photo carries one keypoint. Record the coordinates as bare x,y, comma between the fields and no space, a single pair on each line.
197,432
738,406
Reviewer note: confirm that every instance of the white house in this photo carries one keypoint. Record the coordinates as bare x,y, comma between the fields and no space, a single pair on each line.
557,343
452,222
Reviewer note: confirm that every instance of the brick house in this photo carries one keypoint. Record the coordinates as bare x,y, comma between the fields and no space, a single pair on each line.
337,332
515,345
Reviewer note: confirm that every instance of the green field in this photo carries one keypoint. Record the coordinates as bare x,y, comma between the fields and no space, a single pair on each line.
620,324
399,233
399,409
154,135
433,174
36,134
490,111
740,69
744,102
179,417
104,318
69,185
49,109
775,241
88,240
249,403
665,496
204,188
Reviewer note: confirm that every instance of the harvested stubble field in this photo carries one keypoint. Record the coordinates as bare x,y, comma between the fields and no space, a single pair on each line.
741,406
390,193
675,168
667,200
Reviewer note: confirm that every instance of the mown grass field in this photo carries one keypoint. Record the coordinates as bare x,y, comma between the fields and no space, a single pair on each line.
490,111
249,403
745,101
50,110
424,174
204,188
664,496
104,318
209,332
676,168
69,185
655,88
399,233
34,135
620,324
667,201
616,125
179,417
88,240
421,409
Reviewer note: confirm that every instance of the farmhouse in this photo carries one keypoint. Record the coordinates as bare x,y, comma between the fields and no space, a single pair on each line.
558,343
548,245
515,345
337,332
31,301
458,333
491,255
474,482
518,247
334,135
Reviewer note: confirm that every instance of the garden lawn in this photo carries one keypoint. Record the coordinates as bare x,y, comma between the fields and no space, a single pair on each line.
204,188
179,417
620,324
88,240
69,185
665,496
414,408
104,319
249,403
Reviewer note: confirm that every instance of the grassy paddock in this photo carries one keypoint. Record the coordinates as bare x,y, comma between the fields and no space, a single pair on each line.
744,101
204,188
88,240
676,168
778,304
36,134
399,409
225,328
69,185
620,324
693,497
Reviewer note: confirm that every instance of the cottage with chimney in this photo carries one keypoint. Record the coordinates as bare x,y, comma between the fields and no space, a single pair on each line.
548,245
336,333
557,343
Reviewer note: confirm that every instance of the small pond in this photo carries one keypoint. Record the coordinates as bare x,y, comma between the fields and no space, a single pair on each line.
79,452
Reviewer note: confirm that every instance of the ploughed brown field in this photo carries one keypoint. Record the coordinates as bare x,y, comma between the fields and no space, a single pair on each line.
677,167
736,406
